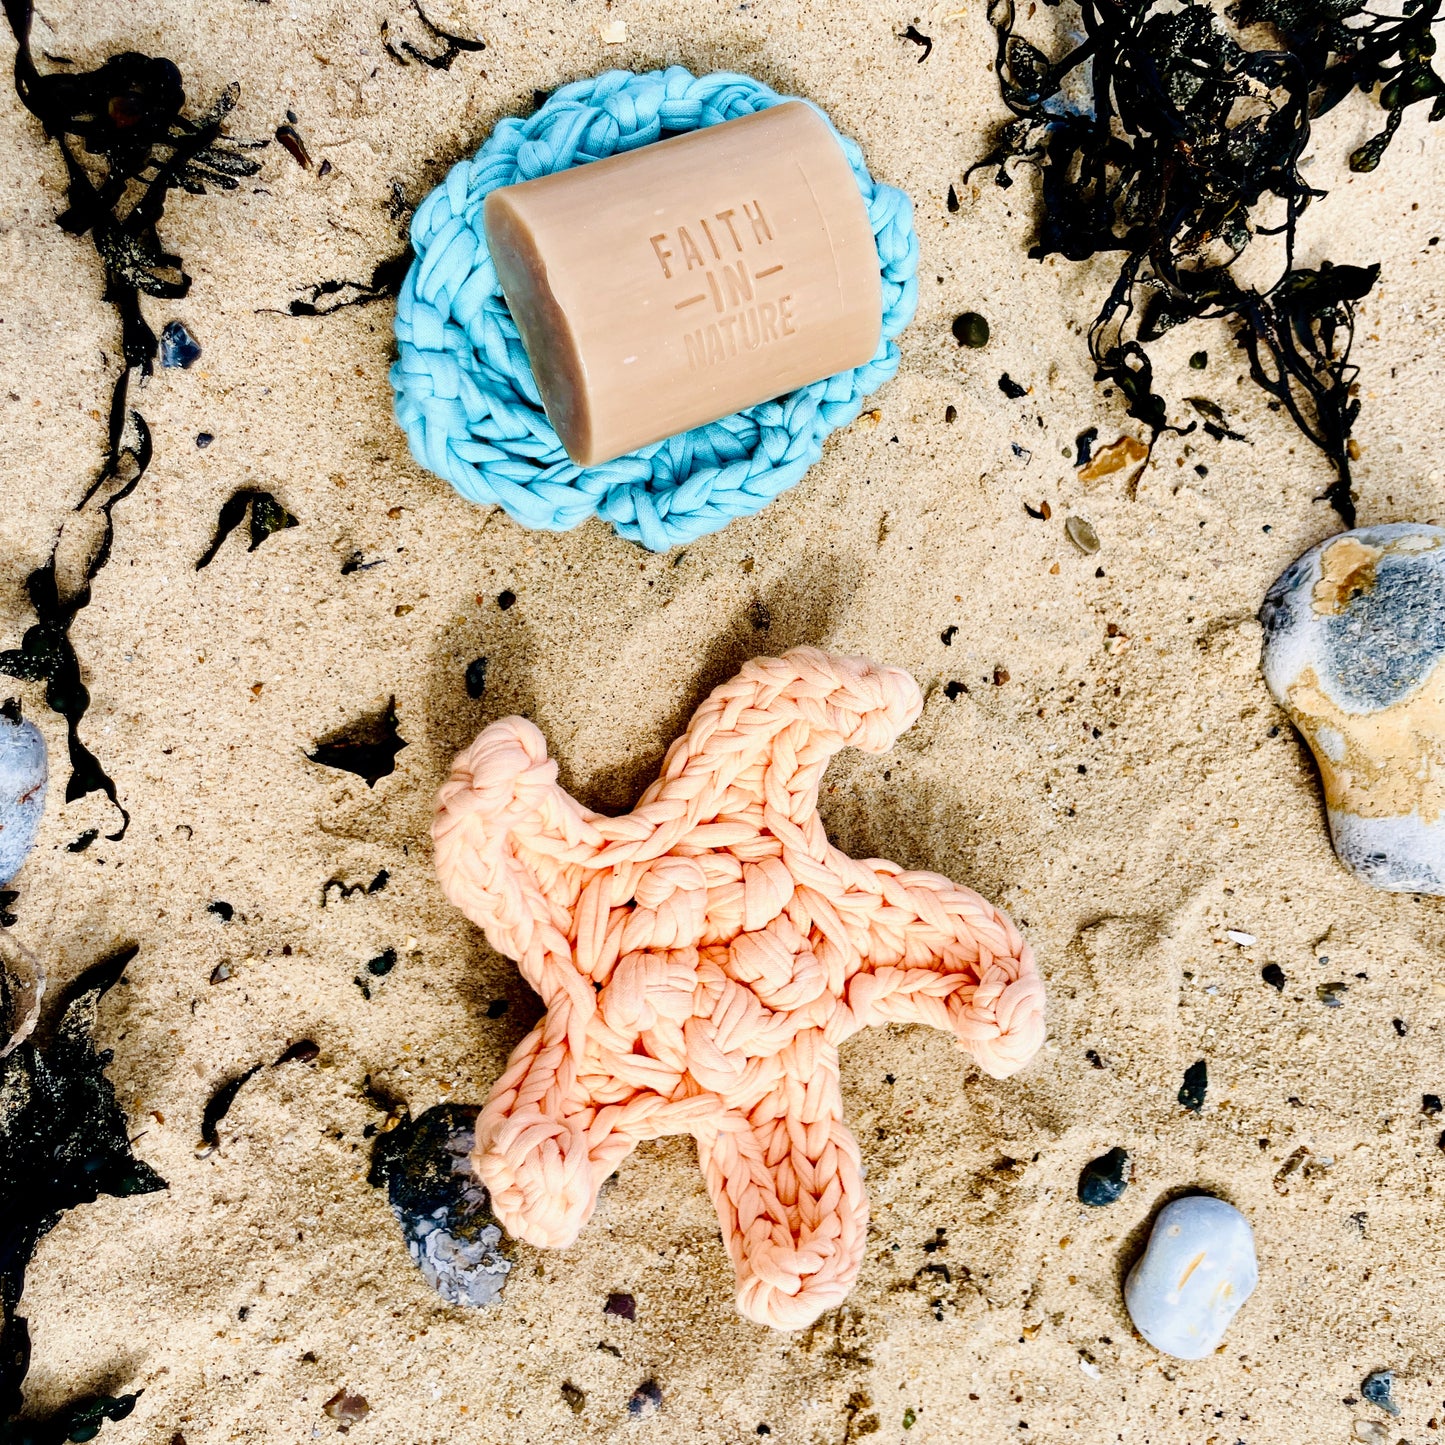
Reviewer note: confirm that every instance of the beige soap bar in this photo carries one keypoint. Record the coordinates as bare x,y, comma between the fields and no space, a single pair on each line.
683,281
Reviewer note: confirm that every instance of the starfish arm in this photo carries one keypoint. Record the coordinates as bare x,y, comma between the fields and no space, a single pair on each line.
562,1117
787,1182
940,954
769,732
510,843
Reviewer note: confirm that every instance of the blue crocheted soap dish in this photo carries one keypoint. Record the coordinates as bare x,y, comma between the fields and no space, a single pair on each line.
465,393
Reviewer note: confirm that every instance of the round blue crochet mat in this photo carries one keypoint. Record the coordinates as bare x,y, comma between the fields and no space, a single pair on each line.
465,393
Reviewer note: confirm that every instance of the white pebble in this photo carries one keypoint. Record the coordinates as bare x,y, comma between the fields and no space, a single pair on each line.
1198,1268
1355,653
22,792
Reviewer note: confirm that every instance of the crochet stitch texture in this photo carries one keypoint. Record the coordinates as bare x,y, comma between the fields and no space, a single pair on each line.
701,960
465,393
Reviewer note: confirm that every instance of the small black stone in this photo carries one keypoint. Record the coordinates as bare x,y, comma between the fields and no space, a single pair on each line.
383,963
223,910
953,691
204,439
1430,1104
1273,975
624,1306
1104,1179
476,677
971,330
505,599
1199,360
1196,1084
1401,1027
1378,1389
1011,388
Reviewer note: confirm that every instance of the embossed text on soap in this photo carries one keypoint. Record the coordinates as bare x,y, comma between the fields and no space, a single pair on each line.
717,262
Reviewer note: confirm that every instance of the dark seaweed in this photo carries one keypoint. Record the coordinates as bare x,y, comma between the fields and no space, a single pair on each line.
404,52
80,844
300,1053
219,1104
1184,134
367,747
926,41
327,296
64,1141
347,890
382,964
126,146
267,516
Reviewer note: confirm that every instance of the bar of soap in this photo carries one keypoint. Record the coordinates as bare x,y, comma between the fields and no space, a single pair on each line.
675,284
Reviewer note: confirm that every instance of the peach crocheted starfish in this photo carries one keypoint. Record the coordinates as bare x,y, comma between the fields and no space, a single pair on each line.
701,960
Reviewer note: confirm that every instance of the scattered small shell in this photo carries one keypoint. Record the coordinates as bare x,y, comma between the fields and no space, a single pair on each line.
1091,1369
1355,654
1244,940
178,346
346,1409
1378,1388
614,32
1370,1431
1080,531
1198,1268
23,773
22,986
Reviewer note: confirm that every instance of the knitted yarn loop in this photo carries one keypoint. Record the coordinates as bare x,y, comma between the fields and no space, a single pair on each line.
703,957
465,393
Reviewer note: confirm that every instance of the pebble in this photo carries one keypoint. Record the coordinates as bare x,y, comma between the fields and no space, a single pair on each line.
1198,1268
1370,1431
970,329
445,1214
178,346
1080,531
1105,1179
1354,652
624,1306
1378,1388
22,789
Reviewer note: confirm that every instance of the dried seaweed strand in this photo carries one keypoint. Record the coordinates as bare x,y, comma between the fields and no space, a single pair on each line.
1159,136
404,52
125,145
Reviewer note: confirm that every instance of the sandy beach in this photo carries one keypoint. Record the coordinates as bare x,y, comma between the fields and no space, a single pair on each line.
1112,772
